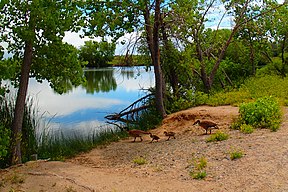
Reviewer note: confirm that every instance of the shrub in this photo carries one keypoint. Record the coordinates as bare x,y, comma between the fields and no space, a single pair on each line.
218,136
263,113
247,129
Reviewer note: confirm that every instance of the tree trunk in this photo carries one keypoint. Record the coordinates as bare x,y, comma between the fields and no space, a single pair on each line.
20,105
152,37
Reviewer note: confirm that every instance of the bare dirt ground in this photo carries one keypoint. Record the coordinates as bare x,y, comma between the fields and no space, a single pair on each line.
264,167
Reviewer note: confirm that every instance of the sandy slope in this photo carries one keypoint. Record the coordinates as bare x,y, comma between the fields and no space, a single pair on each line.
264,166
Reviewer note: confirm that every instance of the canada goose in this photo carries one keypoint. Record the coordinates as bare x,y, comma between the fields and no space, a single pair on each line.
137,133
206,125
154,137
169,134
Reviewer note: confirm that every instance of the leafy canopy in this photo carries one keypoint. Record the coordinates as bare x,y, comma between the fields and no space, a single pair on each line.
43,23
97,54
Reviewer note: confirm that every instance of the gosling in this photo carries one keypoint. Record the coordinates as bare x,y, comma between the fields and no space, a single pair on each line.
154,137
207,125
137,133
169,134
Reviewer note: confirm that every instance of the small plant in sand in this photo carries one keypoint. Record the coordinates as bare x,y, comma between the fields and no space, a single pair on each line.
139,160
247,129
198,171
218,136
16,179
236,154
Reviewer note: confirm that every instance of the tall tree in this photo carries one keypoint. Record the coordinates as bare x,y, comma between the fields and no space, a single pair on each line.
33,30
126,16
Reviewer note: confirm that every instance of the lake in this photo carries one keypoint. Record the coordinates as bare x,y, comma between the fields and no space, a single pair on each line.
83,108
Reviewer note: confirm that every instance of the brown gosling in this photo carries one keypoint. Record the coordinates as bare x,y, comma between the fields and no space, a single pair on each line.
169,134
207,125
154,137
137,133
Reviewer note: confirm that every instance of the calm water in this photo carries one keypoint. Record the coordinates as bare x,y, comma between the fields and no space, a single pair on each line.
83,108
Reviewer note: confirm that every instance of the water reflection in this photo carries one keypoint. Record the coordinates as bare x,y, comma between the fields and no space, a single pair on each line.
100,80
83,108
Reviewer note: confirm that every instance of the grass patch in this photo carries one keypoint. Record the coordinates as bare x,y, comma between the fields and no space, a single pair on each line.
198,168
236,154
198,174
252,89
218,136
139,160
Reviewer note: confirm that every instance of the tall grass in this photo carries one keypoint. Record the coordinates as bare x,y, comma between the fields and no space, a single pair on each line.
252,89
30,121
58,146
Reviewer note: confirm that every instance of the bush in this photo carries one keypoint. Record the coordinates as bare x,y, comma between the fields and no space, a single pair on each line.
218,136
247,129
263,113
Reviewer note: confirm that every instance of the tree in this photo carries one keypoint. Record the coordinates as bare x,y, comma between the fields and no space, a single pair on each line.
190,18
126,16
97,54
34,30
276,28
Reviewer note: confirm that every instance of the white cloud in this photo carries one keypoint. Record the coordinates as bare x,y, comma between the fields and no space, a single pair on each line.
68,103
75,40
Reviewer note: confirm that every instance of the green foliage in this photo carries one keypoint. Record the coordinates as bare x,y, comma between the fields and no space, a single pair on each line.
247,129
263,113
236,154
188,99
30,123
44,27
201,163
268,86
139,160
218,136
198,171
198,174
4,141
253,88
234,97
97,54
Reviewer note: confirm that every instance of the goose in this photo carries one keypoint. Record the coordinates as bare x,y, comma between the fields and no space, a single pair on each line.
206,125
137,133
169,134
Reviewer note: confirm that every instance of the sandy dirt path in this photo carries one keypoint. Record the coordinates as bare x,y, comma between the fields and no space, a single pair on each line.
264,166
